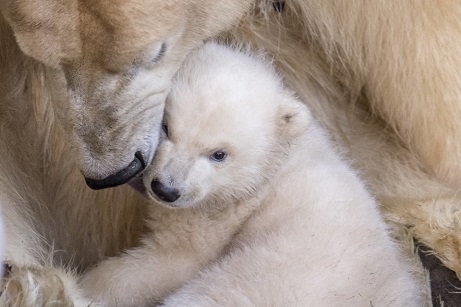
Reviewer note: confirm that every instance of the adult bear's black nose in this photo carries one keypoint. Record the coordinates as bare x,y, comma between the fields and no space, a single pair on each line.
120,177
163,192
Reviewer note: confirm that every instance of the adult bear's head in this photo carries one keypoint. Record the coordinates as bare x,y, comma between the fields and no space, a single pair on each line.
118,58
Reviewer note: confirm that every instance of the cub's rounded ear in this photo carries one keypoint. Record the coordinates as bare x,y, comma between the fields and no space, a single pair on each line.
47,31
294,117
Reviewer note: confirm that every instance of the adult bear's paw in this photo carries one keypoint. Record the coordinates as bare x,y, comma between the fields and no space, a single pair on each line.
39,286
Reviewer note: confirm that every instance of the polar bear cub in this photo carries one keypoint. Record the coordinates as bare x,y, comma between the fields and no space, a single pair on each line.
251,205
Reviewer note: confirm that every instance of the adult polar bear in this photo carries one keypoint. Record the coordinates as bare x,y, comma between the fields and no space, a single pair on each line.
394,60
396,54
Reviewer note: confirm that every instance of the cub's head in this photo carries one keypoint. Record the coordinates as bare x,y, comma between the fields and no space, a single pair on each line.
117,58
228,125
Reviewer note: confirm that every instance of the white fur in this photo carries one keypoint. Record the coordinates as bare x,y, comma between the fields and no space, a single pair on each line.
282,221
352,62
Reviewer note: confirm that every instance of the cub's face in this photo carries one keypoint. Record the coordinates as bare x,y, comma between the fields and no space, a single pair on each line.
225,130
117,59
213,153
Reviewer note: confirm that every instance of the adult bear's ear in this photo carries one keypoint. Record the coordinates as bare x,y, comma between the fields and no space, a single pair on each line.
47,31
295,117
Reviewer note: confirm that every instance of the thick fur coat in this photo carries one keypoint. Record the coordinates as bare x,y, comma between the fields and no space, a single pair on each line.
78,80
252,205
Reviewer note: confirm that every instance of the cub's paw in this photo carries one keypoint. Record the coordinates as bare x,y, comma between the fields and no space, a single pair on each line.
36,286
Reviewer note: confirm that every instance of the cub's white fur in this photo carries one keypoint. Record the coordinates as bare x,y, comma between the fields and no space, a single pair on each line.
281,220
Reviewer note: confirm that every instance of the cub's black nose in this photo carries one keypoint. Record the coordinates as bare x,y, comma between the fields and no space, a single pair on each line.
120,177
163,192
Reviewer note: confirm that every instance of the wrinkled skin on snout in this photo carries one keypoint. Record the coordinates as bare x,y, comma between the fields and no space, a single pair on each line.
118,58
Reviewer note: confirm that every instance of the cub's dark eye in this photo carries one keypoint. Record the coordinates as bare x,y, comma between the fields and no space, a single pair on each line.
218,156
165,128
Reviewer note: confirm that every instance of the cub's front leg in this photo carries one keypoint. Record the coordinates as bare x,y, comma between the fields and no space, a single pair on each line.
180,244
140,277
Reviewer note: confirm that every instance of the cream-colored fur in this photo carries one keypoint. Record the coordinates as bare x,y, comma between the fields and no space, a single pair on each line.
408,194
118,58
374,67
281,220
397,54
